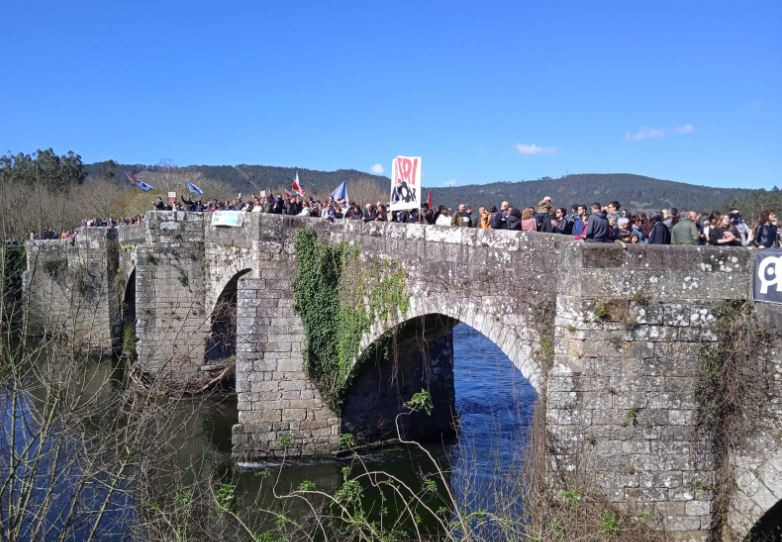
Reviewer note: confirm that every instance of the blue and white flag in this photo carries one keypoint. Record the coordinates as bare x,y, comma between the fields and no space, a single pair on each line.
191,186
138,183
341,192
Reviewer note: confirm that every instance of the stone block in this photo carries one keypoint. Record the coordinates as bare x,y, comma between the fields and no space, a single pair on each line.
276,346
698,508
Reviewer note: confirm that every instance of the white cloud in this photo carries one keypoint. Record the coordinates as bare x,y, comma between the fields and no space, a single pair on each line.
659,133
646,133
531,148
377,169
451,182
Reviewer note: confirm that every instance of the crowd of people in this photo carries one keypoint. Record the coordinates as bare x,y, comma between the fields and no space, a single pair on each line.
593,223
88,223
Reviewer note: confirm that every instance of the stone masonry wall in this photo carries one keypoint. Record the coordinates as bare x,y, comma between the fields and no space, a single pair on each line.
275,397
171,325
621,408
756,460
70,289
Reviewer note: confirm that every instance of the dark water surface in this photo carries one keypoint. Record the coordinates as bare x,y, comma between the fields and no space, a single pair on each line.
494,403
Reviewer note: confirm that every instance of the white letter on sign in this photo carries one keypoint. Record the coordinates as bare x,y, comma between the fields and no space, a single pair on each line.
776,266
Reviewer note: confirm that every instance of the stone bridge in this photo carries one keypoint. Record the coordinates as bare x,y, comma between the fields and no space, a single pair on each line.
612,339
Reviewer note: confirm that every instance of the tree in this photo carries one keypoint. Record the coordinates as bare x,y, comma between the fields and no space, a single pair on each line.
43,168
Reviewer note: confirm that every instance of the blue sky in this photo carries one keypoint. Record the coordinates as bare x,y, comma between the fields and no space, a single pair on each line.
483,91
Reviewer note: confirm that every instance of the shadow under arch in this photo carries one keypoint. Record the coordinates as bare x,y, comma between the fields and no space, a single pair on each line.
510,333
221,342
769,526
128,308
394,364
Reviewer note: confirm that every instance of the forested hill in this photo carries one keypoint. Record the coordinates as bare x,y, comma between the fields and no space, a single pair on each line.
243,178
632,191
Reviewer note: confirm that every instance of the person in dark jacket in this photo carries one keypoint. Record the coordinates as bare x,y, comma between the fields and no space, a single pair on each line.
564,223
597,226
513,222
766,231
722,233
659,234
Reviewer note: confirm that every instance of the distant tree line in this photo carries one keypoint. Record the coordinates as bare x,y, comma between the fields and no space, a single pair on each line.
753,203
43,167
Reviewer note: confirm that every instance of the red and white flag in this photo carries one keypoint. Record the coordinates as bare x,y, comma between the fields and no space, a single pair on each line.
288,195
297,187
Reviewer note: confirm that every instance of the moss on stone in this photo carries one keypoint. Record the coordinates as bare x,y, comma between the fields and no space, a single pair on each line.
338,297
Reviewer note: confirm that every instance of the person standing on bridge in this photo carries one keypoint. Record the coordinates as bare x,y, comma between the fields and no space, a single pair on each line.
597,230
443,218
528,222
499,220
660,234
685,232
720,232
766,235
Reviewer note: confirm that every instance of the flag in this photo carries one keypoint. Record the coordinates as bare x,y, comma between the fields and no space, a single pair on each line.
138,183
429,200
297,187
288,195
191,186
341,192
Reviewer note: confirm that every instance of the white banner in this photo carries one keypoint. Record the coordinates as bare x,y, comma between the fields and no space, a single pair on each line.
233,219
406,183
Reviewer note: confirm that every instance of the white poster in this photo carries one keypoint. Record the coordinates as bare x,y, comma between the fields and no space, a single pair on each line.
233,219
406,183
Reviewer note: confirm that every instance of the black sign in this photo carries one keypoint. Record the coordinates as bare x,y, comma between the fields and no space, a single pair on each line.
767,278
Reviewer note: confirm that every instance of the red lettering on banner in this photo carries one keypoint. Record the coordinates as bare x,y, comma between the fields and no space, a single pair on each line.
406,170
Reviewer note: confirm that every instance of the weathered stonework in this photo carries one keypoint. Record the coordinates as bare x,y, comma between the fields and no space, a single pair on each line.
70,289
609,337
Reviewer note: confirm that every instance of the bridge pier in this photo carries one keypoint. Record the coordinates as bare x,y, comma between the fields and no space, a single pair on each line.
275,396
70,289
171,324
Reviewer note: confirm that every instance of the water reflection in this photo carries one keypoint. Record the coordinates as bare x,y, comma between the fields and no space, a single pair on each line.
52,484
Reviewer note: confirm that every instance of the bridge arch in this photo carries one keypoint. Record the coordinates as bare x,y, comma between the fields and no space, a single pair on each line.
755,510
220,273
420,355
510,332
221,341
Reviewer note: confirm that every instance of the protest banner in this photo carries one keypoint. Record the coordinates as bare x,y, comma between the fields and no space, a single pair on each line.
232,219
767,273
172,198
405,183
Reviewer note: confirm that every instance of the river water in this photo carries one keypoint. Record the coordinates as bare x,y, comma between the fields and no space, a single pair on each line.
494,403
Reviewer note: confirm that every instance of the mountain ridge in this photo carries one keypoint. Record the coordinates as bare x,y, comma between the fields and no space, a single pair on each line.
637,192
